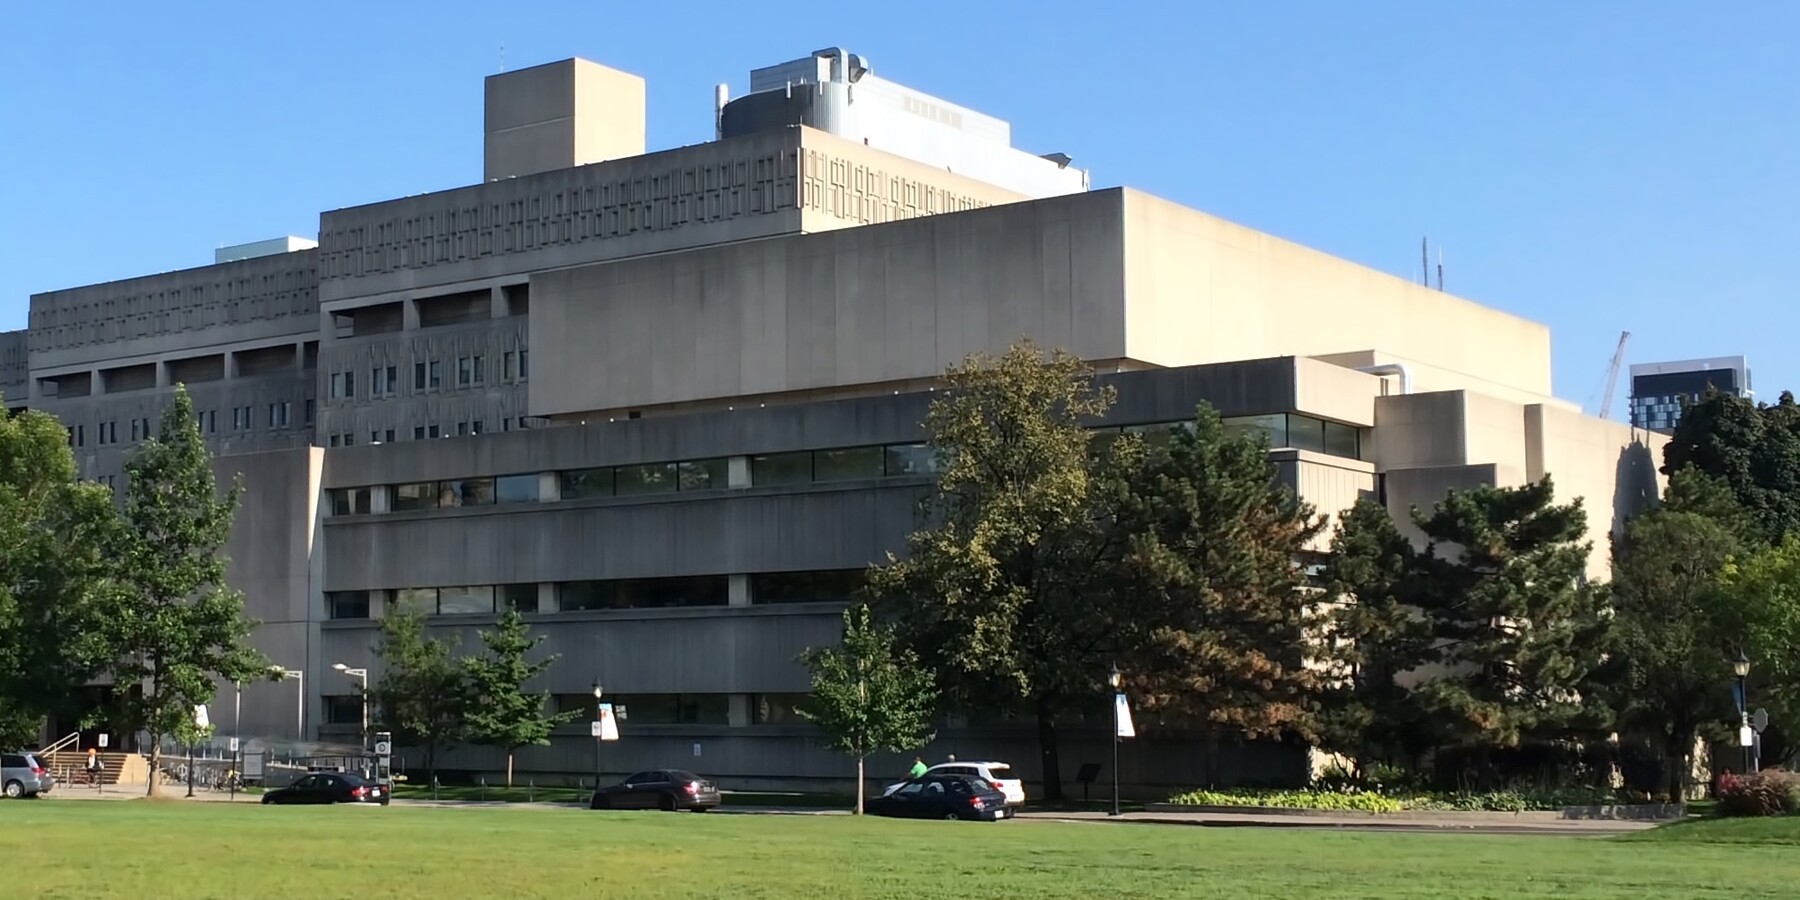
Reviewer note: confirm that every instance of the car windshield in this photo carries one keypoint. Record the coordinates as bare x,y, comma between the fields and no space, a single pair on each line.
1000,770
352,780
683,775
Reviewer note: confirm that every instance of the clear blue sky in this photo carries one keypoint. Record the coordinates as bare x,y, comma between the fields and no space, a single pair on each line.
1594,166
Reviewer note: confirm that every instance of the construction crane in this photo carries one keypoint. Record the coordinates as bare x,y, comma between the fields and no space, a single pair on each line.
1612,377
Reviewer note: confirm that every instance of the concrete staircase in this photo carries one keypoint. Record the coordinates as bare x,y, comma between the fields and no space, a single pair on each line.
70,769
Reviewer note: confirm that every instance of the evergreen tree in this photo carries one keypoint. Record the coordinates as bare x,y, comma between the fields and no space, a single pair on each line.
1206,586
869,695
423,693
1516,622
1376,634
54,574
983,595
501,713
177,628
1674,631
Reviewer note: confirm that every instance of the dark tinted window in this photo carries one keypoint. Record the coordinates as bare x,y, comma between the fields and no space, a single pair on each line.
12,762
641,777
516,489
682,775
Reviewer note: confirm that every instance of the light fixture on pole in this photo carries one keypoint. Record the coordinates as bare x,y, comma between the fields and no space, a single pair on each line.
1113,680
282,673
361,675
1741,668
598,693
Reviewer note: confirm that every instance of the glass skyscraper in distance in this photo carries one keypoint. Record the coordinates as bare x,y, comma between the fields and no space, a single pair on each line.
1659,389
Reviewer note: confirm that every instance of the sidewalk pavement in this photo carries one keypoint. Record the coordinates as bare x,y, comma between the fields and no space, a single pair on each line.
136,792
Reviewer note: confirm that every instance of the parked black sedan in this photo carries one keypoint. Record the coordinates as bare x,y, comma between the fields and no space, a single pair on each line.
665,789
942,797
330,787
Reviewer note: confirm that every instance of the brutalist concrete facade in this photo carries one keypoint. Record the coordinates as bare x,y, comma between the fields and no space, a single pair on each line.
669,405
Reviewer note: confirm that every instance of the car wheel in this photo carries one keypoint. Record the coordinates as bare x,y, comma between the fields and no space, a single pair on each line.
600,801
951,816
268,801
15,789
668,803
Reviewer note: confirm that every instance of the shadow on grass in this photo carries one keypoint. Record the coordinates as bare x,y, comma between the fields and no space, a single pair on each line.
1775,831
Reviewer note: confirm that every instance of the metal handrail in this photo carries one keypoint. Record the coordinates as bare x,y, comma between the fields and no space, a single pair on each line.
70,739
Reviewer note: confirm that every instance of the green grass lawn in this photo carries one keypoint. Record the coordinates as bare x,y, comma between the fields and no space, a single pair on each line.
135,849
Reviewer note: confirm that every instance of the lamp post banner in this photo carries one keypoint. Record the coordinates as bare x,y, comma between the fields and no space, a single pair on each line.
1123,713
605,727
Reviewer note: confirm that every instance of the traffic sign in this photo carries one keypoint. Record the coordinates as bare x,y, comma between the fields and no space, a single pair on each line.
1760,720
595,728
383,748
1746,736
234,745
103,740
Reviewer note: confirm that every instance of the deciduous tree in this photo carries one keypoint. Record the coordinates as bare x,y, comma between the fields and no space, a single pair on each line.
177,629
55,574
1754,449
983,595
423,693
869,695
1674,630
1764,588
501,712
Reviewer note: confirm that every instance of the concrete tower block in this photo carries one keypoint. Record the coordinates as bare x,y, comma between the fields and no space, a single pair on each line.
558,115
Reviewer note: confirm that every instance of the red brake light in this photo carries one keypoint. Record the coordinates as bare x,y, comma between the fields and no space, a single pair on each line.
359,792
975,802
998,786
38,771
692,787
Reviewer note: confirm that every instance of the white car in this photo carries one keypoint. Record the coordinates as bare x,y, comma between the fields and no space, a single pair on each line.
998,774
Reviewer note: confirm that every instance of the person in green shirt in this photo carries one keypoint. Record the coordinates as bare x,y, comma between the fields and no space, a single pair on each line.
918,767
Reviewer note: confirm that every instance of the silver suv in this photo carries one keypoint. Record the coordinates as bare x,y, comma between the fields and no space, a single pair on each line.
21,775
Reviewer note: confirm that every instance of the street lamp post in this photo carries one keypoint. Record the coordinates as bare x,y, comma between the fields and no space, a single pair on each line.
299,679
1113,681
1741,668
598,693
361,675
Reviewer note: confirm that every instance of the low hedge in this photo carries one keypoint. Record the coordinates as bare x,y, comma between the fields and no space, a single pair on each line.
1330,801
1377,802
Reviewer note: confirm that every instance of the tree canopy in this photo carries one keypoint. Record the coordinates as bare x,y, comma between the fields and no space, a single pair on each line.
56,589
423,694
1753,449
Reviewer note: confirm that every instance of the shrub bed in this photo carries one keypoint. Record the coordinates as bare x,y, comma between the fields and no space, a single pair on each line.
1331,801
1767,793
1379,802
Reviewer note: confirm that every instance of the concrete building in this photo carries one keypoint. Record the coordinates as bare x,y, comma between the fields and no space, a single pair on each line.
668,404
1658,390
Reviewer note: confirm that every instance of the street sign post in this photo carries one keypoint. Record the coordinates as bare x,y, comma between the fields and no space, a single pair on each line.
1759,720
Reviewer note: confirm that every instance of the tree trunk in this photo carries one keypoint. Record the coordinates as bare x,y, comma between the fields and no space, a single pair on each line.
1680,760
1047,750
859,786
1212,758
154,788
509,755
